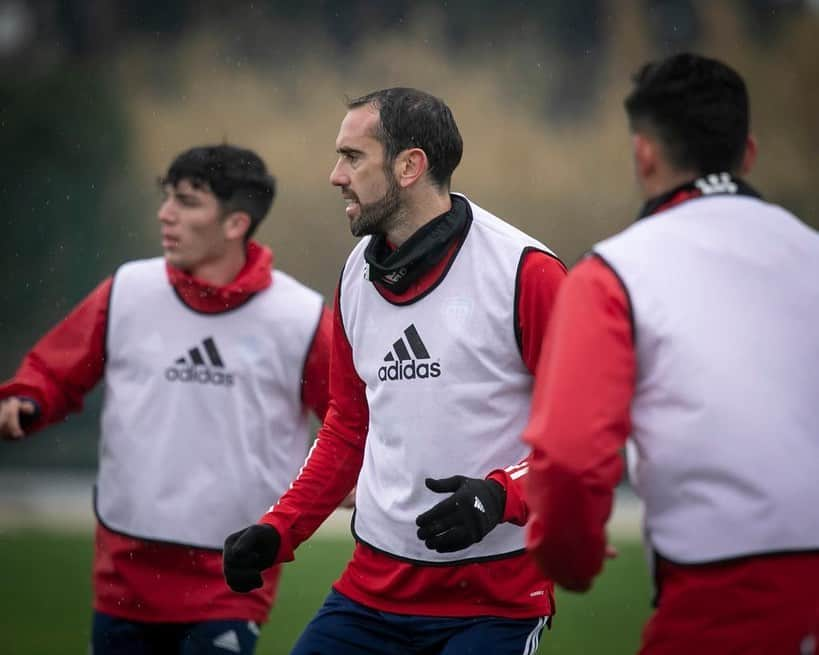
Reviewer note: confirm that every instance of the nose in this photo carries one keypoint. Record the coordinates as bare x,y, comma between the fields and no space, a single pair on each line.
338,177
165,212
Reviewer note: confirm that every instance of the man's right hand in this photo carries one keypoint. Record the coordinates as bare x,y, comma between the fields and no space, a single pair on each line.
13,412
247,553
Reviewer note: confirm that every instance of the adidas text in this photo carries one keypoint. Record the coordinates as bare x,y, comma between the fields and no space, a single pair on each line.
409,370
195,369
201,375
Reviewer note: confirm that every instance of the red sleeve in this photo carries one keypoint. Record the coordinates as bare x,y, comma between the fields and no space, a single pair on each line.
580,420
539,279
315,382
332,466
66,363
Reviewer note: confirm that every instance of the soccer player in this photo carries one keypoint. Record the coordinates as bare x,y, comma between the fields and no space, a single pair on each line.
694,332
441,310
209,361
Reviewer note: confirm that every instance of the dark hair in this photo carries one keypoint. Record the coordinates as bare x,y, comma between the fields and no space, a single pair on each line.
697,107
410,118
236,176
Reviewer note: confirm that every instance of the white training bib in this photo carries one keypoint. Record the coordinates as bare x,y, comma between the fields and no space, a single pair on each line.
725,298
202,423
447,390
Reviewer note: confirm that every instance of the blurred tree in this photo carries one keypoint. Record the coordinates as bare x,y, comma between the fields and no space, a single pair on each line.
71,198
674,25
65,141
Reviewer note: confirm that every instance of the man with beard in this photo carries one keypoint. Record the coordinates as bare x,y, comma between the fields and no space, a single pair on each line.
210,360
693,332
442,308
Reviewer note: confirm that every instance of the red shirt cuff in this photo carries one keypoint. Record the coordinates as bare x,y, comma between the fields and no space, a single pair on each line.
515,511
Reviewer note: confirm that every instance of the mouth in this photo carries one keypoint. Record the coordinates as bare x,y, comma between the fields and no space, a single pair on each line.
353,206
169,242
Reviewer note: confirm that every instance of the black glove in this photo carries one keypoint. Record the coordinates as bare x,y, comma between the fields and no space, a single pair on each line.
247,553
465,517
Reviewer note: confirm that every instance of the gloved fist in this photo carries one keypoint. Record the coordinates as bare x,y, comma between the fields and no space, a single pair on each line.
247,553
463,519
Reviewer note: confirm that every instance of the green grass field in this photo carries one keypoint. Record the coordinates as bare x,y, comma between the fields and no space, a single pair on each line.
45,601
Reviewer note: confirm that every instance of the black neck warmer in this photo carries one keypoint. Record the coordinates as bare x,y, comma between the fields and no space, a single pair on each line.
397,269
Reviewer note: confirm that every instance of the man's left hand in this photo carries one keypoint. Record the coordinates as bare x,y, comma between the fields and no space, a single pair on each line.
467,516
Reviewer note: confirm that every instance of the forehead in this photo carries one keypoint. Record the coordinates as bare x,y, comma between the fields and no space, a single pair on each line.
358,128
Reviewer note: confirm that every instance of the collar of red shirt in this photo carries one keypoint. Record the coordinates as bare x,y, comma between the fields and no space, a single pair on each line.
201,296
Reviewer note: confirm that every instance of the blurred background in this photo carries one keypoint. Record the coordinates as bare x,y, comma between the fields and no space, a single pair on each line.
97,96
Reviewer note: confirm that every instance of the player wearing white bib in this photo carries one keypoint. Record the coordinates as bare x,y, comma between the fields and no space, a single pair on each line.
693,332
210,360
441,310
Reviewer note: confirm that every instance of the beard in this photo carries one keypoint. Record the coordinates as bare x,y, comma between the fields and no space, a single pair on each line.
377,217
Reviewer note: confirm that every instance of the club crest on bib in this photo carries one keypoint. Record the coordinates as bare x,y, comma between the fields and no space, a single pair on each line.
457,313
408,359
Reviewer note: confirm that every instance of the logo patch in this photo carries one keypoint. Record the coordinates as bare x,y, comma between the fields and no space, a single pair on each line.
716,183
195,369
395,276
228,641
401,365
457,312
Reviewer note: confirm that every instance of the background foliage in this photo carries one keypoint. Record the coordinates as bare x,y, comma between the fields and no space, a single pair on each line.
98,96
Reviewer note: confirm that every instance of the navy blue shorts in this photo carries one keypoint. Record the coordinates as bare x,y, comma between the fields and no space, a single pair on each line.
115,636
344,627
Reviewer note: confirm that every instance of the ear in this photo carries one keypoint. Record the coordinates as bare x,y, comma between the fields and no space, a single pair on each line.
236,225
646,154
410,165
749,158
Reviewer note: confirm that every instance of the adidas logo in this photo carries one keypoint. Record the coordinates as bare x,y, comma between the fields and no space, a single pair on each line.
395,276
714,183
478,505
196,370
402,365
228,641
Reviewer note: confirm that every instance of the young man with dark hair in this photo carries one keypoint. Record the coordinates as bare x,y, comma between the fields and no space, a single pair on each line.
694,333
441,311
209,362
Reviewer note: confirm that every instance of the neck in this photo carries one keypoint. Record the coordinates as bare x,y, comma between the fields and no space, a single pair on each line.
221,271
417,212
665,182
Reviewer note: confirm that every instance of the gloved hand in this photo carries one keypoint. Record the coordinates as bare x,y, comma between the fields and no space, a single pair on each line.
247,553
463,519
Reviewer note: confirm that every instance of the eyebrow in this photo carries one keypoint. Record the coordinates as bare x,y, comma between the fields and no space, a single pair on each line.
170,190
345,150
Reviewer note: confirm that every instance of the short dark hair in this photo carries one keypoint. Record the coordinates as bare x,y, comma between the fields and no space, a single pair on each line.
237,177
697,107
410,118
